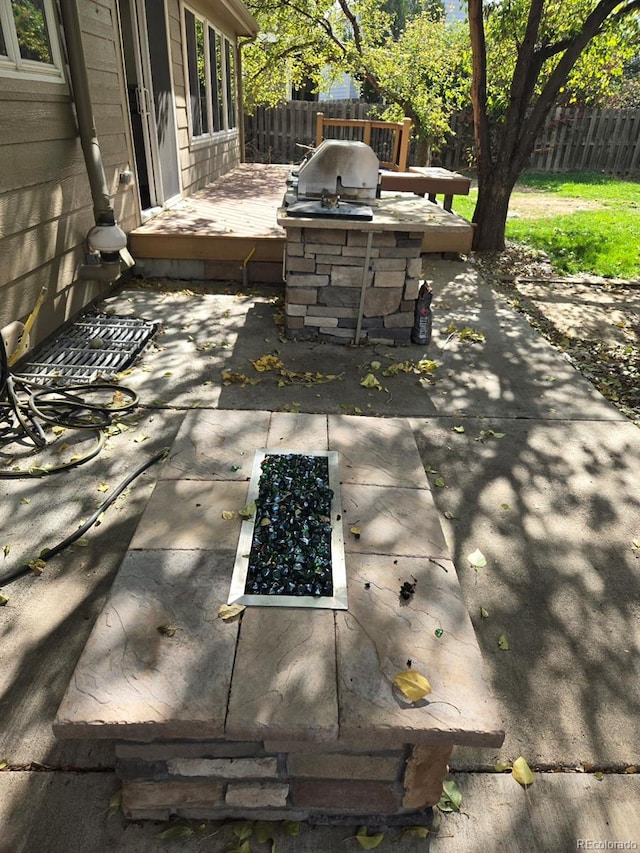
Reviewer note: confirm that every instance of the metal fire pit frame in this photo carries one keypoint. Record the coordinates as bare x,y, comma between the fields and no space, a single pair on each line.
338,601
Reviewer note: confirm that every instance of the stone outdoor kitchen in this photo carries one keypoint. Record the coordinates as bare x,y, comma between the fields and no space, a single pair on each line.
284,712
353,253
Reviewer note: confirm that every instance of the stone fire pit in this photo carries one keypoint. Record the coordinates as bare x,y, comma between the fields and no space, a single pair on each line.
284,713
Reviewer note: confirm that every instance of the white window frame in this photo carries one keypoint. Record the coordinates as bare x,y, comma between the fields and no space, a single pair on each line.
210,81
13,65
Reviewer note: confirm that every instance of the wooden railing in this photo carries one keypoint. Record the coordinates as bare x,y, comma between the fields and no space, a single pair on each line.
400,136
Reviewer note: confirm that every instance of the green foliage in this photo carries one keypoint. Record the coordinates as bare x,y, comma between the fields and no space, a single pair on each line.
595,75
31,28
402,50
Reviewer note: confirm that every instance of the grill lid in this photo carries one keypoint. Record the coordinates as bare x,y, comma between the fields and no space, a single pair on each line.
341,167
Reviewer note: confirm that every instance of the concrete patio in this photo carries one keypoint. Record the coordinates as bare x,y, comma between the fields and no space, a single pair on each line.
552,504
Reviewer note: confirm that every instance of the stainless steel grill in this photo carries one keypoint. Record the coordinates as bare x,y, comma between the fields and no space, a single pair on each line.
338,180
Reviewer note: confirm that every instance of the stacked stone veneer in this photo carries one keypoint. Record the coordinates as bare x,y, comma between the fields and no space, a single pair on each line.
324,271
277,780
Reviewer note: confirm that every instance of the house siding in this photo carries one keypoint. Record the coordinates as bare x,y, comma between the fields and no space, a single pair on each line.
200,162
45,199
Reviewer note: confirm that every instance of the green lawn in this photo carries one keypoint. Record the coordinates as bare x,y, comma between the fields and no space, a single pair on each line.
602,242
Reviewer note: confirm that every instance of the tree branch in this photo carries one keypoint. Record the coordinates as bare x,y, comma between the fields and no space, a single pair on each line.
355,26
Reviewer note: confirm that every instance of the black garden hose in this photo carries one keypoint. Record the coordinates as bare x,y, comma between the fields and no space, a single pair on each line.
48,553
28,409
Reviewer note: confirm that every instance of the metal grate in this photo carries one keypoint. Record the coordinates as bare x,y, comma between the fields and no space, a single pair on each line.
95,347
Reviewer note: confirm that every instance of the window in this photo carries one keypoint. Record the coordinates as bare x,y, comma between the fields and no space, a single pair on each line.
28,40
211,72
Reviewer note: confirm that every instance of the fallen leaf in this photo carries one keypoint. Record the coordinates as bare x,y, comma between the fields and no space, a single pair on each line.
357,531
501,766
6,550
369,842
264,830
599,775
412,685
458,428
370,381
484,614
3,600
115,803
248,510
37,566
243,829
291,827
449,515
451,798
631,769
477,559
103,487
4,763
503,643
415,832
228,514
439,482
167,630
267,362
227,612
521,772
375,365
25,501
175,833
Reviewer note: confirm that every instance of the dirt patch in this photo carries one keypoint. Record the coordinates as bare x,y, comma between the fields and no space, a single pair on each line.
532,204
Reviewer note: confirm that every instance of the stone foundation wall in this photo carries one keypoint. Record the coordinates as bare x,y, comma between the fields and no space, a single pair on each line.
277,781
324,270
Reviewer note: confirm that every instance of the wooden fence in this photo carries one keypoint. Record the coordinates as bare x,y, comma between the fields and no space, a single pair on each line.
572,139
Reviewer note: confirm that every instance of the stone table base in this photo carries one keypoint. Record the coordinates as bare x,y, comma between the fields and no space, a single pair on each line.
286,712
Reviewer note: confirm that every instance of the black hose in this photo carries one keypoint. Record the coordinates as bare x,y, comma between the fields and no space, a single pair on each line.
48,553
25,406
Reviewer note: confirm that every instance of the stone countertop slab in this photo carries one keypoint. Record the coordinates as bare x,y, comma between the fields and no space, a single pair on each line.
284,678
401,212
135,682
214,444
187,514
394,521
300,432
381,635
376,451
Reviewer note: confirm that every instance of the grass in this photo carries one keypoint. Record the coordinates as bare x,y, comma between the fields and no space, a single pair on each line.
603,242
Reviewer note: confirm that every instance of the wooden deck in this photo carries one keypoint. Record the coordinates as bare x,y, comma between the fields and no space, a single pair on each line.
228,220
229,223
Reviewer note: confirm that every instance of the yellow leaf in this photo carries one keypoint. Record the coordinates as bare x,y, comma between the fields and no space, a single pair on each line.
248,510
115,803
103,487
228,514
477,559
37,566
412,685
522,772
501,766
267,362
357,531
369,842
227,612
370,381
503,643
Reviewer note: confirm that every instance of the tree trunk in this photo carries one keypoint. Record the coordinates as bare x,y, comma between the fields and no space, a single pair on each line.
423,151
490,215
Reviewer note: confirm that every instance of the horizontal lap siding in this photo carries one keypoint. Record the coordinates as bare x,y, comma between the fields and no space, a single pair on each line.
45,200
